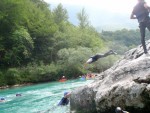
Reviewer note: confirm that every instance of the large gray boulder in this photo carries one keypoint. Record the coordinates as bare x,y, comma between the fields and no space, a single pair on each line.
126,84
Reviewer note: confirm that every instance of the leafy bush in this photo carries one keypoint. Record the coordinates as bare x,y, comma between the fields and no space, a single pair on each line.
2,79
39,73
12,76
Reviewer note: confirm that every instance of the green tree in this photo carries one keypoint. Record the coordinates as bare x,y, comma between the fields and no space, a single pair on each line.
2,79
83,19
60,17
123,39
72,60
22,19
60,14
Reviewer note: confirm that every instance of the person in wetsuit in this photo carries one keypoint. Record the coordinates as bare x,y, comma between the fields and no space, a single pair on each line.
65,100
97,56
141,13
18,95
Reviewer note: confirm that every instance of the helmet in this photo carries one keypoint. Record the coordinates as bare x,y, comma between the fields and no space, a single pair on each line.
18,94
2,98
65,93
118,110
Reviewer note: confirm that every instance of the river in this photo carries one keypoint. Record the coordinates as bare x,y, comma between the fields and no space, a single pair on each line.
41,98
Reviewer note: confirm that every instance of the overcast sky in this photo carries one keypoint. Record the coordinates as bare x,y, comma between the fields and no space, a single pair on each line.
98,10
110,5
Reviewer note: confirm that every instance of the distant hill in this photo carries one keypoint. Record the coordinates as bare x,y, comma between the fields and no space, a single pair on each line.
115,26
112,22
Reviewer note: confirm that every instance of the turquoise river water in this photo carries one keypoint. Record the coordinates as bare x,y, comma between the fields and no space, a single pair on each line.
41,98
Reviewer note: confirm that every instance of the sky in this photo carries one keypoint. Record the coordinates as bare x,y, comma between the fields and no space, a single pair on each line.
109,5
100,12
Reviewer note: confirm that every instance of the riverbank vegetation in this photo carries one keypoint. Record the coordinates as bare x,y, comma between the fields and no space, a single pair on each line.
39,44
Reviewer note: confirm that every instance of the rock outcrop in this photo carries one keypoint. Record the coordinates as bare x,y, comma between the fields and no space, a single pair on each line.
126,84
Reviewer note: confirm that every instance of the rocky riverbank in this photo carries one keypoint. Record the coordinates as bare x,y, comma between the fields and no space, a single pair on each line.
126,84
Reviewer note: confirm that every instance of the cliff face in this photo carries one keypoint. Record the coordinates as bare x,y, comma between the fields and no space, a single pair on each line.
126,84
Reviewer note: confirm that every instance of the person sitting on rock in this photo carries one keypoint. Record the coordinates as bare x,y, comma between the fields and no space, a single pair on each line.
119,110
65,100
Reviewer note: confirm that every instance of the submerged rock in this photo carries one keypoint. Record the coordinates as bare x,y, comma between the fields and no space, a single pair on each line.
126,84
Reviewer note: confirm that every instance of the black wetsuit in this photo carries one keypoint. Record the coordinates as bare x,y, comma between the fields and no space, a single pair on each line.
64,101
96,57
142,15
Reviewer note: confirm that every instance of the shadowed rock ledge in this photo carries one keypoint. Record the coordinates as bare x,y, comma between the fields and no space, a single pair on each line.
126,84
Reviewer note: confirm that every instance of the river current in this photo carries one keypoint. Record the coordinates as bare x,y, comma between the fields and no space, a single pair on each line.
41,98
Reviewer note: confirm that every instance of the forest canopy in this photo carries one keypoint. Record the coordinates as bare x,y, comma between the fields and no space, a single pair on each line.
39,44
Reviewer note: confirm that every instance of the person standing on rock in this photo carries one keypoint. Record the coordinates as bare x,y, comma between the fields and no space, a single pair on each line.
141,13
